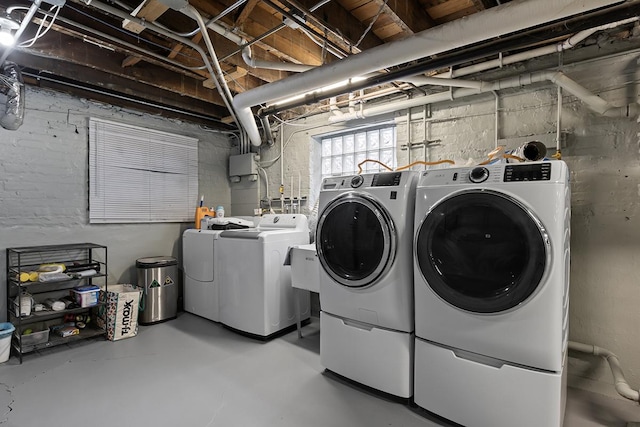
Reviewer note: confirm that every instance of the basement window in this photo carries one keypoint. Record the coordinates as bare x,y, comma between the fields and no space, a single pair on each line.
139,175
342,153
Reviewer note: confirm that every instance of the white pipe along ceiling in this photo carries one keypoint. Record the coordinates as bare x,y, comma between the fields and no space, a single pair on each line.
594,102
513,17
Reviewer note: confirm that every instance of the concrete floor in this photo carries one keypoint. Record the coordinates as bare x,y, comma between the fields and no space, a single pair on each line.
194,373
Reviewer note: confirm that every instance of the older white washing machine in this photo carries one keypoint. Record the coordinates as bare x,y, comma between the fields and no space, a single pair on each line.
256,297
364,244
200,265
491,293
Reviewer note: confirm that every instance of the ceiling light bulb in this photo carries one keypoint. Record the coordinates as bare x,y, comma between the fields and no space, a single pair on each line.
6,38
6,26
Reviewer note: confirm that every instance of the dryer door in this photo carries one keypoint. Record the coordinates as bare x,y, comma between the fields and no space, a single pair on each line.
355,240
482,251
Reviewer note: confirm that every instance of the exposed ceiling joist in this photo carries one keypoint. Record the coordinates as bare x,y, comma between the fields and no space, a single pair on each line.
151,51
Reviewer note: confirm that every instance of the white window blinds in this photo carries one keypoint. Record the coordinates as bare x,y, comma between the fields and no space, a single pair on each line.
140,175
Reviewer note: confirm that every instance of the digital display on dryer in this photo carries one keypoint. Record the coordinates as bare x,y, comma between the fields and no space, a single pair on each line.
535,172
390,179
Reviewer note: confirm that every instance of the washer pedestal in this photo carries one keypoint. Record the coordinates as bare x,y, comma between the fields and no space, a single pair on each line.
486,393
378,358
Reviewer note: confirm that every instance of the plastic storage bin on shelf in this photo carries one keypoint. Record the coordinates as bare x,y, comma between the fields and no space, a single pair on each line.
6,330
86,296
30,340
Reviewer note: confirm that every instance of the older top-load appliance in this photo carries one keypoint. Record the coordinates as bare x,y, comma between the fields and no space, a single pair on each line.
491,293
200,265
364,244
256,297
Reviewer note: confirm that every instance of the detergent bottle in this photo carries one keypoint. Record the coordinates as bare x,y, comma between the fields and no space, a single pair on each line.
201,212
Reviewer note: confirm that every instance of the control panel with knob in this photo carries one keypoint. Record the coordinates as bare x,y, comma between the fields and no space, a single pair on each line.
479,174
356,181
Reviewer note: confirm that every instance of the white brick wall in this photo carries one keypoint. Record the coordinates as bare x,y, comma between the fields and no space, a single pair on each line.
44,177
43,189
604,157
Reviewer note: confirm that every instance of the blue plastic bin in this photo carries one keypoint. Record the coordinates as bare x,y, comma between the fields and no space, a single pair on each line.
6,330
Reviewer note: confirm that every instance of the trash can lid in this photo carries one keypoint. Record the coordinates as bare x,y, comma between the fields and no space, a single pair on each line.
6,329
156,261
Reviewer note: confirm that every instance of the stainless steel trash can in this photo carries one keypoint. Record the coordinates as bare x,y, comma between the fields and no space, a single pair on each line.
158,280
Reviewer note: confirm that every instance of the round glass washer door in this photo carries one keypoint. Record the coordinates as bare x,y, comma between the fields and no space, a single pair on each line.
482,251
355,240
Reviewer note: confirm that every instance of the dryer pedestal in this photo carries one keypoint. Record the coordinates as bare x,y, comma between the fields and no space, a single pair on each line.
378,358
484,393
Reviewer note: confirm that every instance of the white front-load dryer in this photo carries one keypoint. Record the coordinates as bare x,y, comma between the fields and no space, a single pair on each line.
364,244
491,293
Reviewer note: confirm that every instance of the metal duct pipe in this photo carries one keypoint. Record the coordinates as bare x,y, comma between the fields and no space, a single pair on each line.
513,17
218,76
268,135
13,116
271,65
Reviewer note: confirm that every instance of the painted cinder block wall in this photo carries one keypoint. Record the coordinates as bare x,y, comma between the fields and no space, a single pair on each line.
603,155
44,183
43,188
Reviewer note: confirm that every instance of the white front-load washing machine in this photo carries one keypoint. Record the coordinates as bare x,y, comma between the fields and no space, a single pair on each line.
364,244
491,277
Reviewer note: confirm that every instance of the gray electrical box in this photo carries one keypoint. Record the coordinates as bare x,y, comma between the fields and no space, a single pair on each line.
243,164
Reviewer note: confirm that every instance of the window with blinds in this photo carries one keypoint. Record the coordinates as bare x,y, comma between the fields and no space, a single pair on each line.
140,175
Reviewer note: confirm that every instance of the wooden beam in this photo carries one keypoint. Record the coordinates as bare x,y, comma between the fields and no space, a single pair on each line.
334,15
235,74
149,10
412,14
246,11
175,50
394,19
118,90
72,51
230,76
287,44
440,11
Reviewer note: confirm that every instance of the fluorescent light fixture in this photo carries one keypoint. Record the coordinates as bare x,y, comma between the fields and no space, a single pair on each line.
322,89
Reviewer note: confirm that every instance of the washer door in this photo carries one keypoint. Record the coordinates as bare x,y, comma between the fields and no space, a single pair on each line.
355,240
482,251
